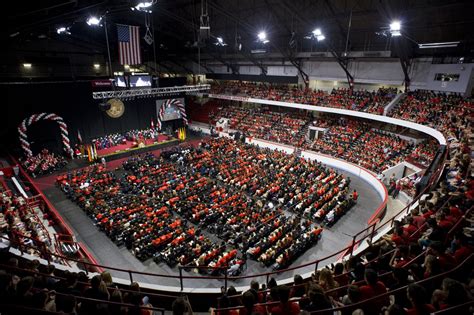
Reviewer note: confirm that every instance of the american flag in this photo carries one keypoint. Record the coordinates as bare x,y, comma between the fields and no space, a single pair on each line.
129,44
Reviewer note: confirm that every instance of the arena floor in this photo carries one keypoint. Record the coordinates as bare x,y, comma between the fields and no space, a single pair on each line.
108,253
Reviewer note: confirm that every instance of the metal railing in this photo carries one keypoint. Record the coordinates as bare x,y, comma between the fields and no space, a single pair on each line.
356,305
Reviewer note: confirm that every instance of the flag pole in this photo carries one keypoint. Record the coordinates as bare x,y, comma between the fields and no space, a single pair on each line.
108,47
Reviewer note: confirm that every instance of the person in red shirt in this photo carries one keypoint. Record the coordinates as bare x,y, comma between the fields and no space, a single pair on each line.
285,307
355,195
418,220
442,222
417,296
248,300
373,288
410,230
463,248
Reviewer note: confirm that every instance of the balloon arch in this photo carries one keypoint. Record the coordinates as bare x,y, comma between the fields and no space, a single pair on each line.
23,127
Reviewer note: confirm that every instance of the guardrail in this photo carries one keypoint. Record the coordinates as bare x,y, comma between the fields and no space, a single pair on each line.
357,305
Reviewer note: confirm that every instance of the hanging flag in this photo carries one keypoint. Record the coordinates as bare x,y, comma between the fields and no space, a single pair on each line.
129,44
152,124
79,137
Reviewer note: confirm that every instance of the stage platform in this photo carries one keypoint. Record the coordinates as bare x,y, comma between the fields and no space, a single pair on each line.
129,148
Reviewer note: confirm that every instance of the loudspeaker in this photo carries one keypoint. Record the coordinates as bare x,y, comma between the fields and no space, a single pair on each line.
104,106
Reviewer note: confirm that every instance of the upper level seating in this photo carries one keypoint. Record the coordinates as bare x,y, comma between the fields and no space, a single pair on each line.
448,113
361,100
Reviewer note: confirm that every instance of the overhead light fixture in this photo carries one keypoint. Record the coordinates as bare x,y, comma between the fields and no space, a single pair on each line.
262,37
438,45
63,30
27,65
395,28
96,65
220,42
317,32
144,6
93,21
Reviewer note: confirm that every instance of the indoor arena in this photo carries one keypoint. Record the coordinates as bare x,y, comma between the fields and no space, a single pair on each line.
254,157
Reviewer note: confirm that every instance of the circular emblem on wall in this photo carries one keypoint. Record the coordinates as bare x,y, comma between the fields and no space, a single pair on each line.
117,108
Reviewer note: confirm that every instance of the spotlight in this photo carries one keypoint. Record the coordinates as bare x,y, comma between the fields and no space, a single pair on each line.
317,32
96,65
395,28
220,42
27,65
93,21
63,30
320,37
262,37
143,6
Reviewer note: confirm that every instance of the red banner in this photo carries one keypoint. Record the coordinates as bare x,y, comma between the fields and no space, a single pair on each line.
101,83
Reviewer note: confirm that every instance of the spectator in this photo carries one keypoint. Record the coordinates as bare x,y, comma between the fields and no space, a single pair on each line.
285,306
248,301
318,299
373,287
181,306
417,296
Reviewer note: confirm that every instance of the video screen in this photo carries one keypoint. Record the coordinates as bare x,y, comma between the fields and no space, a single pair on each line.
140,81
120,81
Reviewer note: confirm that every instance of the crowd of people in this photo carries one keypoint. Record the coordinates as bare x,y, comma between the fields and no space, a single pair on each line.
109,141
20,224
447,113
115,139
361,100
424,153
401,273
163,207
137,134
359,143
27,286
43,163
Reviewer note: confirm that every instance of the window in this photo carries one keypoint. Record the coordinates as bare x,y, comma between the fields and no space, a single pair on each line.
446,77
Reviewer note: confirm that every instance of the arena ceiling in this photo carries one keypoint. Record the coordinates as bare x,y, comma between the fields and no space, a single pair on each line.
33,27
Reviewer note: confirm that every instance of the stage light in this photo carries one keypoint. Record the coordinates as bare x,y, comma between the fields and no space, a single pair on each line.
27,65
63,30
320,37
143,6
220,42
93,21
317,32
262,37
395,28
96,65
